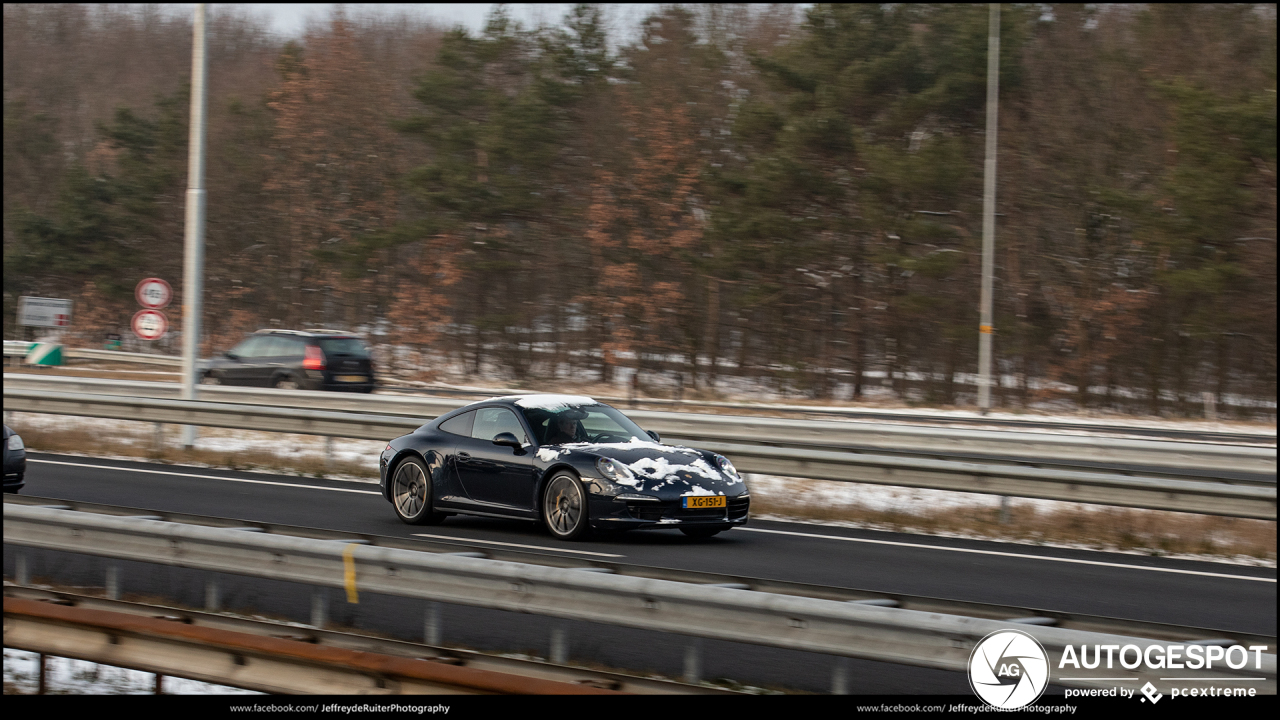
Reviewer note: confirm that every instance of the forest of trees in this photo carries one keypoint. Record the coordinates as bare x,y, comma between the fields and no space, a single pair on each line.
788,195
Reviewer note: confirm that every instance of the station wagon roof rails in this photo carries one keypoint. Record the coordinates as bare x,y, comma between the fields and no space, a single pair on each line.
280,330
330,330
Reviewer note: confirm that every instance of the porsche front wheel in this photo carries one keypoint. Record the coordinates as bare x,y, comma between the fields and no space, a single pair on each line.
564,507
411,494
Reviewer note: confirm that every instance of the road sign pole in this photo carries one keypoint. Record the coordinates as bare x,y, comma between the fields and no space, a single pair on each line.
193,243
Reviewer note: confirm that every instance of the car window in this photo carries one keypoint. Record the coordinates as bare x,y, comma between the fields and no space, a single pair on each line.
460,425
351,347
279,346
601,421
491,421
250,348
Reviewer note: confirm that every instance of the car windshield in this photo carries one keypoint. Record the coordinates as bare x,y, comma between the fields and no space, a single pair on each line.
594,423
343,346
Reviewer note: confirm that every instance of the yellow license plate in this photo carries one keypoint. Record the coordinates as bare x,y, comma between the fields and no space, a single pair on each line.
351,378
712,501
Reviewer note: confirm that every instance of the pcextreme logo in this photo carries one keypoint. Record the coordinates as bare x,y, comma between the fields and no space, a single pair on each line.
1008,669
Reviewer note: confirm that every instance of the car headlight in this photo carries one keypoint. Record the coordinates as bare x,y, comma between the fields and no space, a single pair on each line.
727,467
15,442
613,470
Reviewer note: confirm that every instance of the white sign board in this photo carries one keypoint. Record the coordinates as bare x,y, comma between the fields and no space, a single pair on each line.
153,293
44,312
150,324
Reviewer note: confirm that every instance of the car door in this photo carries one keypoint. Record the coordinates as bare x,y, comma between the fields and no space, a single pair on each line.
240,368
452,431
280,356
497,475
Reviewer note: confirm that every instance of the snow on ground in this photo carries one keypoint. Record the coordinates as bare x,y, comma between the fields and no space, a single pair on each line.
65,676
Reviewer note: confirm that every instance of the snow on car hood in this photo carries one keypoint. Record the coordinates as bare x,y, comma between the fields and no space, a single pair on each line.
656,466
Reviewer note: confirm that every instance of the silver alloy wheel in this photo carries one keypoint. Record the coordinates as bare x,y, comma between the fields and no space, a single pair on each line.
564,507
286,383
210,379
409,490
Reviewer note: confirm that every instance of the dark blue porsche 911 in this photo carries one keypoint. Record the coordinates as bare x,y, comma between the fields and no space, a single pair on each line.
565,460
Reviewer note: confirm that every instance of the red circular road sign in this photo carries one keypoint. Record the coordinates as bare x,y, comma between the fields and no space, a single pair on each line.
150,324
153,293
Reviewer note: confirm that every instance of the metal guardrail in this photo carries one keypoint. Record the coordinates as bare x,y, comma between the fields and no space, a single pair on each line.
1108,488
1170,458
328,637
808,624
254,662
18,348
922,603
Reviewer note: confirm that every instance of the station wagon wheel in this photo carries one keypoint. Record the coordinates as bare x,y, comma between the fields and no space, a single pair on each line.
411,494
210,379
286,383
564,507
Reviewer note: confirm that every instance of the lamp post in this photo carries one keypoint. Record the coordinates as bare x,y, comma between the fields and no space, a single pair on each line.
193,240
985,328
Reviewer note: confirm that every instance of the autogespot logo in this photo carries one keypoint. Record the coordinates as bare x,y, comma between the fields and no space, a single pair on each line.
1009,669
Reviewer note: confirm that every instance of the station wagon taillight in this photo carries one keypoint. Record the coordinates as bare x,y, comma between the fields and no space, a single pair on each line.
314,359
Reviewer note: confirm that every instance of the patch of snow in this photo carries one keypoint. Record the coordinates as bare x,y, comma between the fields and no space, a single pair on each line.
699,491
548,402
661,469
548,454
80,677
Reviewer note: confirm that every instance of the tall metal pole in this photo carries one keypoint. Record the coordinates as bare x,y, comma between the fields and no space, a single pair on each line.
985,328
193,242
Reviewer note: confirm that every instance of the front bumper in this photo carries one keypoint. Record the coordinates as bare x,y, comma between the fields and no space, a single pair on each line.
15,467
608,513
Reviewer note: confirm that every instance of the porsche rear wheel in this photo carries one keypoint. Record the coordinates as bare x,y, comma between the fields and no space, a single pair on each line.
411,494
564,507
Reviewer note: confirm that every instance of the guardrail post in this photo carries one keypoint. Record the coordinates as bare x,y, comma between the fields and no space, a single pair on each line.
41,684
157,437
319,607
559,642
21,574
328,452
1210,406
693,661
431,628
840,677
1004,509
113,581
159,684
212,595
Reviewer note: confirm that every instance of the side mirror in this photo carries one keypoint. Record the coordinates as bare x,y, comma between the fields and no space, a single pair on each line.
507,439
654,435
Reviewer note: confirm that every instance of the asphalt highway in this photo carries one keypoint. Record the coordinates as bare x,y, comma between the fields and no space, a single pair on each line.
1203,594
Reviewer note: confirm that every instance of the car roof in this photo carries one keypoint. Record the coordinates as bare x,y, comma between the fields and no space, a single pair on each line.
540,401
314,332
544,401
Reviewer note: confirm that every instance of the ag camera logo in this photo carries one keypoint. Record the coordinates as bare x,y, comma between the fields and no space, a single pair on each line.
1008,669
